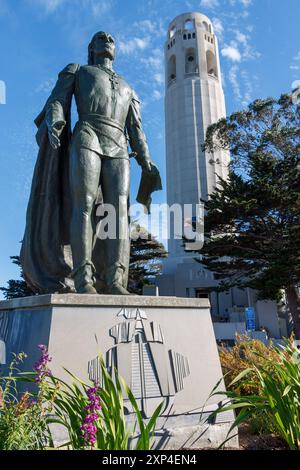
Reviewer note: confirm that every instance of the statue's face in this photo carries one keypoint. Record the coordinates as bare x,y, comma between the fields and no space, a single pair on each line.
104,45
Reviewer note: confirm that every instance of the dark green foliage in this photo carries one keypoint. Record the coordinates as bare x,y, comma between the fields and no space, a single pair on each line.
16,288
252,224
145,254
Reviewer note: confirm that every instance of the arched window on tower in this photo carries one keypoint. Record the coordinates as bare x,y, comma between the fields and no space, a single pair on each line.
190,61
205,25
172,32
189,24
211,64
172,69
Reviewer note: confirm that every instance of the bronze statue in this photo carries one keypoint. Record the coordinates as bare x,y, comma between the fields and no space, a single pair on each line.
76,171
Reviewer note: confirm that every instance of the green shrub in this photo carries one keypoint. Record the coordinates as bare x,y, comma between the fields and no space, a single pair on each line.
243,355
278,393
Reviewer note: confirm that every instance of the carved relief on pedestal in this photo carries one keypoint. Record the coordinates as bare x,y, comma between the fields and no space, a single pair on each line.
142,359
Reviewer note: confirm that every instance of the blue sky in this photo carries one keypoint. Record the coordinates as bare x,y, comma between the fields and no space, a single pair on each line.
259,51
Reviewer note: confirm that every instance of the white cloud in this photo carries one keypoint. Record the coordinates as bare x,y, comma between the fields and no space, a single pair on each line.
241,85
297,56
52,5
133,44
156,28
2,92
145,25
295,67
159,78
240,48
209,3
248,88
49,5
232,53
95,8
46,86
157,95
244,39
234,81
241,37
218,27
296,84
155,60
245,3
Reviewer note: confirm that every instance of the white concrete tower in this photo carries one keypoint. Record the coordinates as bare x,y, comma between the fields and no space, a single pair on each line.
194,99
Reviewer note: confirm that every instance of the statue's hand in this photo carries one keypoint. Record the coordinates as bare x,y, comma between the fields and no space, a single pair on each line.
53,139
149,166
54,134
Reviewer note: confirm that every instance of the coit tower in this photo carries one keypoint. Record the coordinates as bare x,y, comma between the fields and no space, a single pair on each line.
194,99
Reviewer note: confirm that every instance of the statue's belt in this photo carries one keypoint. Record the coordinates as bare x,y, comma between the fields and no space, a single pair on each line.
97,121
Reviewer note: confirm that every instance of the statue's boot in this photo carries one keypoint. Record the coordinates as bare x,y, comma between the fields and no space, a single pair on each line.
115,279
84,279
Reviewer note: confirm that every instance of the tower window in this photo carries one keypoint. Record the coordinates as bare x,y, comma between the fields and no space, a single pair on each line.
205,25
172,31
190,61
189,24
189,36
211,64
184,36
172,68
168,46
194,35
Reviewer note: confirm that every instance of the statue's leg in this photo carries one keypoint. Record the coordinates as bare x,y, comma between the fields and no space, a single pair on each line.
115,177
85,166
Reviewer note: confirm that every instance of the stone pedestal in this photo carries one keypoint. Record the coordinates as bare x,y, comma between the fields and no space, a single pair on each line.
164,347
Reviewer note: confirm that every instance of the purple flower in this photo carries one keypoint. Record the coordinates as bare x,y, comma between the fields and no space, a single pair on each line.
41,367
93,407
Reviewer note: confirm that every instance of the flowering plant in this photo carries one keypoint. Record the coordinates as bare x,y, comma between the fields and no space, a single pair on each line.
94,416
88,427
22,420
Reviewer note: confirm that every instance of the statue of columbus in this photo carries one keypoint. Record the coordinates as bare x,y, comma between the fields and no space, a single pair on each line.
76,171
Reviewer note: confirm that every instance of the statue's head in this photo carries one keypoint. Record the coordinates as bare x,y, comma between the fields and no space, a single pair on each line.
101,45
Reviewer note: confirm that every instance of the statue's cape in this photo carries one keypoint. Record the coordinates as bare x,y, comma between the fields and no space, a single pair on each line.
45,254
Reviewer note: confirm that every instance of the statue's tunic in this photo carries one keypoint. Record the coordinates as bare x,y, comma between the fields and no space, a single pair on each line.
108,111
